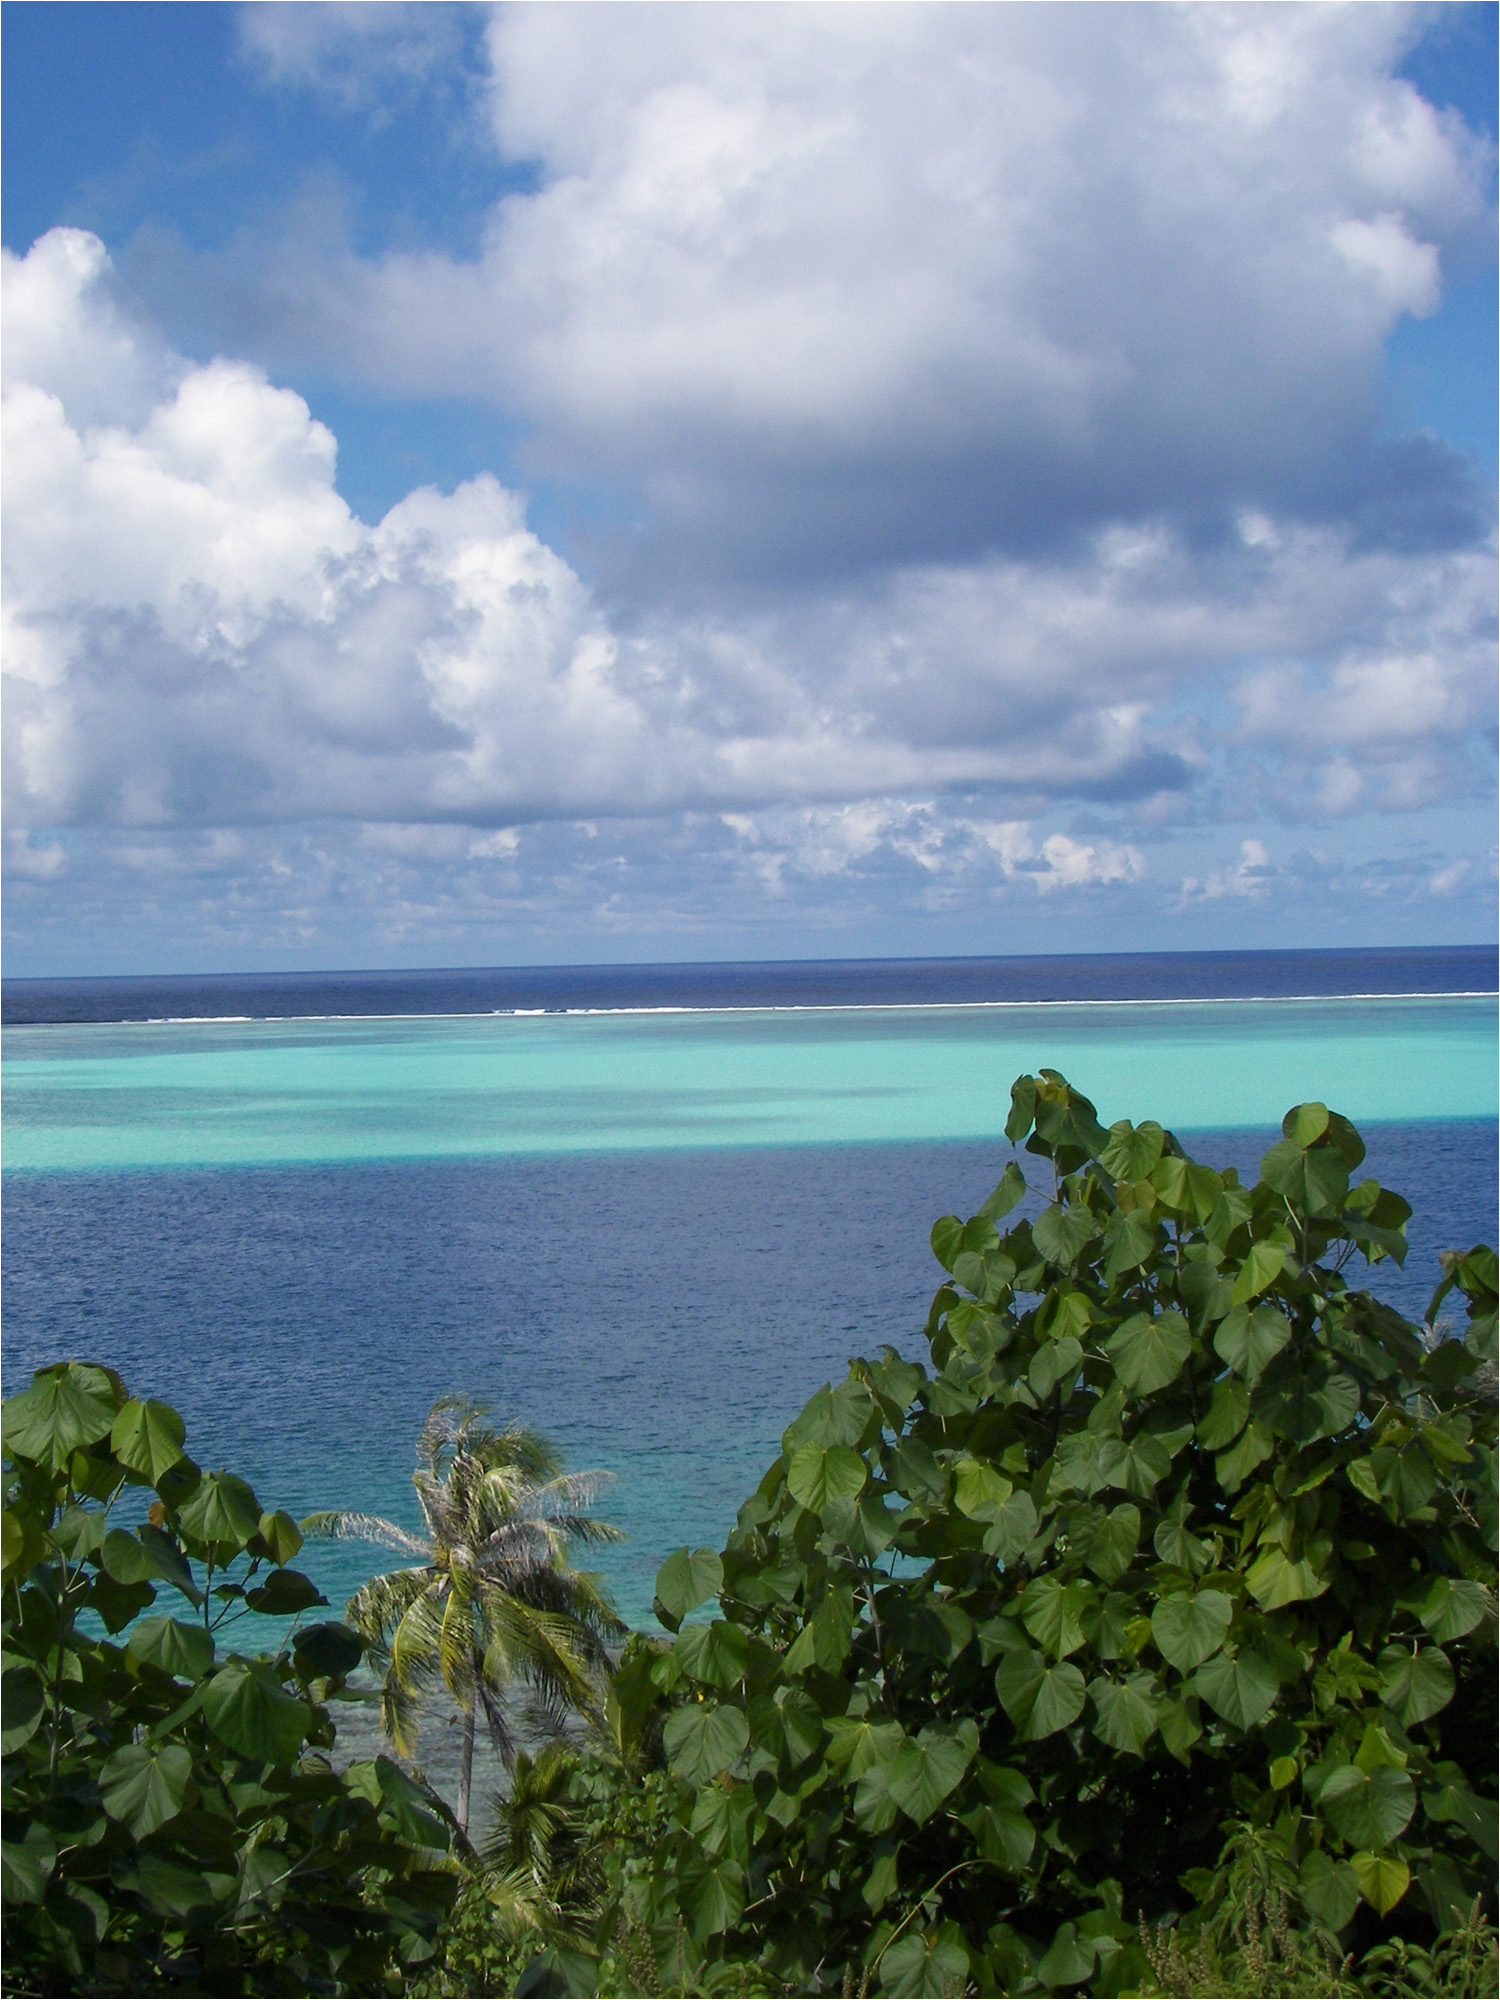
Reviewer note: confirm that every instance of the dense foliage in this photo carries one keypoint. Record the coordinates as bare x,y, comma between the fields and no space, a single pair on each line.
171,1818
1169,1584
492,1605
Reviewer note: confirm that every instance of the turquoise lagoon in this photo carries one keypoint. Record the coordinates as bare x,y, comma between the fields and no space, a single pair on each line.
259,1093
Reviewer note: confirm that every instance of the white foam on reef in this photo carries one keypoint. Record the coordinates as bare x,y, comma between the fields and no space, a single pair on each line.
766,1007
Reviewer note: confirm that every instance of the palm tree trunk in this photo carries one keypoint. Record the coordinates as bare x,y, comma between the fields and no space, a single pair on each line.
465,1770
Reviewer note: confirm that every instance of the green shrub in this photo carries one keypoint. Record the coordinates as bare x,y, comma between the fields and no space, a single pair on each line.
1170,1582
172,1821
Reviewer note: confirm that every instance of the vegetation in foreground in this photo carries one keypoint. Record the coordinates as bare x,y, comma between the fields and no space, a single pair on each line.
1142,1642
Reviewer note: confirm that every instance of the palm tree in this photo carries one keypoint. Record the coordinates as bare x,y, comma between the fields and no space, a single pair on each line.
493,1603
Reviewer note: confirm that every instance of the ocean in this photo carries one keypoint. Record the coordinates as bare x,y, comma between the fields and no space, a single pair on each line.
649,1209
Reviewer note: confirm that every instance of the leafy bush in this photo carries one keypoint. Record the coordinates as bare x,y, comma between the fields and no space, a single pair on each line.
172,1821
1168,1584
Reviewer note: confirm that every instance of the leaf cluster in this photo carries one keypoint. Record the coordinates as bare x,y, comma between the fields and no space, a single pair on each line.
1181,1547
171,1817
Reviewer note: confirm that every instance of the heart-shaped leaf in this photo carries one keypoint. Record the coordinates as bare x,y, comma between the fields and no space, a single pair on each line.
1369,1808
1038,1699
1415,1682
1383,1879
284,1593
1242,1688
254,1715
702,1739
144,1785
688,1578
1249,1339
1125,1711
221,1509
328,1651
186,1651
1133,1150
148,1438
820,1473
1148,1353
1188,1628
925,1768
67,1406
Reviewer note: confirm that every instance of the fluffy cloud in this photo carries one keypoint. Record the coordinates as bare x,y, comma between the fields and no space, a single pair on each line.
200,632
829,287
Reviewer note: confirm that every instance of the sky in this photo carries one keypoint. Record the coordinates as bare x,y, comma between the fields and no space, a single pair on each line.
597,483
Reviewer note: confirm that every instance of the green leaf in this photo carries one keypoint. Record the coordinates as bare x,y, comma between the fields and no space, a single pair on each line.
979,1491
1013,1528
1133,1150
1305,1400
144,1785
1475,1815
714,1898
925,1768
1242,1688
1002,1833
716,1654
1126,1711
22,1703
147,1437
26,1865
1263,1265
284,1593
1453,1606
1227,1414
1149,1353
1129,1239
1010,1189
857,1744
171,1891
819,1473
1305,1124
1369,1808
279,1536
1415,1682
1189,1628
825,1638
1251,1448
254,1715
1314,1181
1038,1699
926,1963
1053,1613
1382,1879
221,1509
1054,1361
1250,1339
1108,1542
1067,1961
688,1578
1275,1580
1022,1109
148,1554
947,1240
701,1740
69,1405
1329,1889
185,1651
327,1651
1061,1233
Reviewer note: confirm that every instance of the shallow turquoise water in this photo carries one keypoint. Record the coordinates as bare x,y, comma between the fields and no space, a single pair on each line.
80,1098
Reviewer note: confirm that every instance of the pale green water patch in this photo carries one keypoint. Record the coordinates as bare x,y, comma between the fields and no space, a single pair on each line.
277,1092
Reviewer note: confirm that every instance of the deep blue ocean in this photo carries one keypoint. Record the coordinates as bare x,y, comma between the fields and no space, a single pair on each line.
660,1294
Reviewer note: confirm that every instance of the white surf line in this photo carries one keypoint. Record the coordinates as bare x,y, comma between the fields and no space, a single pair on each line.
757,1007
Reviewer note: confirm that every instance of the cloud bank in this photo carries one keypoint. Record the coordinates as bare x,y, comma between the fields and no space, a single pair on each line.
995,398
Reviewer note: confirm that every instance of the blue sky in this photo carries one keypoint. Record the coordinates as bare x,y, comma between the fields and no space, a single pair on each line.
570,482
